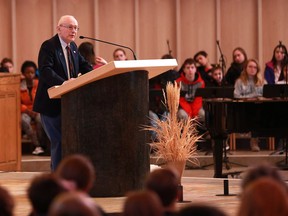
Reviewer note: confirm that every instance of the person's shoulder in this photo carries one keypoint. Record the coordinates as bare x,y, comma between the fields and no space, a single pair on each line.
269,64
51,41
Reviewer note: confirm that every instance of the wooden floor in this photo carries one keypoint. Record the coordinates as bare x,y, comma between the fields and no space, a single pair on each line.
198,184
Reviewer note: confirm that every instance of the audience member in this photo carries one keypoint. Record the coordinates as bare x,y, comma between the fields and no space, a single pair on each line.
250,85
239,57
43,189
28,89
7,203
190,80
201,209
119,54
164,182
273,68
86,49
57,67
8,64
142,203
265,197
78,169
262,171
78,173
73,204
205,68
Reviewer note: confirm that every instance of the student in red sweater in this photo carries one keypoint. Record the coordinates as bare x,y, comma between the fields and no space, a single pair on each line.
190,80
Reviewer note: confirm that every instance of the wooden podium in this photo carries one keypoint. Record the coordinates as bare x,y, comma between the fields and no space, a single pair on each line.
103,112
10,124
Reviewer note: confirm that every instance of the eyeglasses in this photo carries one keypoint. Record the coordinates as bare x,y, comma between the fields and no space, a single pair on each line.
70,27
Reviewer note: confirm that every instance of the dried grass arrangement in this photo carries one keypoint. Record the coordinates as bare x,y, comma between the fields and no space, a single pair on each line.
176,139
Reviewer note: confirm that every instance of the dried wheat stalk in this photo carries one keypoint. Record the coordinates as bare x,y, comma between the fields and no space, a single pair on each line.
176,138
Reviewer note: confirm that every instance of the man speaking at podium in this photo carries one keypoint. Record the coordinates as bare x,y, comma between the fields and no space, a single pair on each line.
59,62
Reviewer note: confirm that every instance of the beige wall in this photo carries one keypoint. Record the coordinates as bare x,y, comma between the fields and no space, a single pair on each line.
146,25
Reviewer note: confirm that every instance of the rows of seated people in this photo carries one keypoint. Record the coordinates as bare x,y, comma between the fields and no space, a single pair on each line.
243,74
66,192
197,72
30,120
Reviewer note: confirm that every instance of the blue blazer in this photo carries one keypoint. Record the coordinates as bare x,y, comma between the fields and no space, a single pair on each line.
53,71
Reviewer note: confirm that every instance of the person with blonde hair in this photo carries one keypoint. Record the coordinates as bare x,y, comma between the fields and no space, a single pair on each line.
250,83
250,86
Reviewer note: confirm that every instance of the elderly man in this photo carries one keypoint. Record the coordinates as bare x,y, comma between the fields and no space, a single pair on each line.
59,62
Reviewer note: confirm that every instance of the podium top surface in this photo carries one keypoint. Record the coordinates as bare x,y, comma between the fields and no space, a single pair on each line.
154,67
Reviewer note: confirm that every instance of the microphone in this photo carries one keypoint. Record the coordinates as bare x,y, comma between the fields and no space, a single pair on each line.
83,37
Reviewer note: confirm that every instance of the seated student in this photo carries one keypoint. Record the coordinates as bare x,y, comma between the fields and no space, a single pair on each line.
205,68
119,54
28,88
239,57
142,203
273,68
8,64
7,203
190,80
73,203
217,77
282,79
41,192
164,182
86,49
250,86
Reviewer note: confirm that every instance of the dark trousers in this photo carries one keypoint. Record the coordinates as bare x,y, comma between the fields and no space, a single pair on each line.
52,127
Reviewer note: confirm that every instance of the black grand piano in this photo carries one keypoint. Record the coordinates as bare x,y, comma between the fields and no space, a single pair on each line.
224,115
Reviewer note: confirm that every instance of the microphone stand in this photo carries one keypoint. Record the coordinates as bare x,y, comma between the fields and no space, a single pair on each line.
222,59
134,55
169,50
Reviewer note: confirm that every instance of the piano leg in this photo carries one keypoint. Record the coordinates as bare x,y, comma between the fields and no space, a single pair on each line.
218,156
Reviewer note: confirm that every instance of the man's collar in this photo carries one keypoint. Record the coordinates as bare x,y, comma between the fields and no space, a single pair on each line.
63,43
